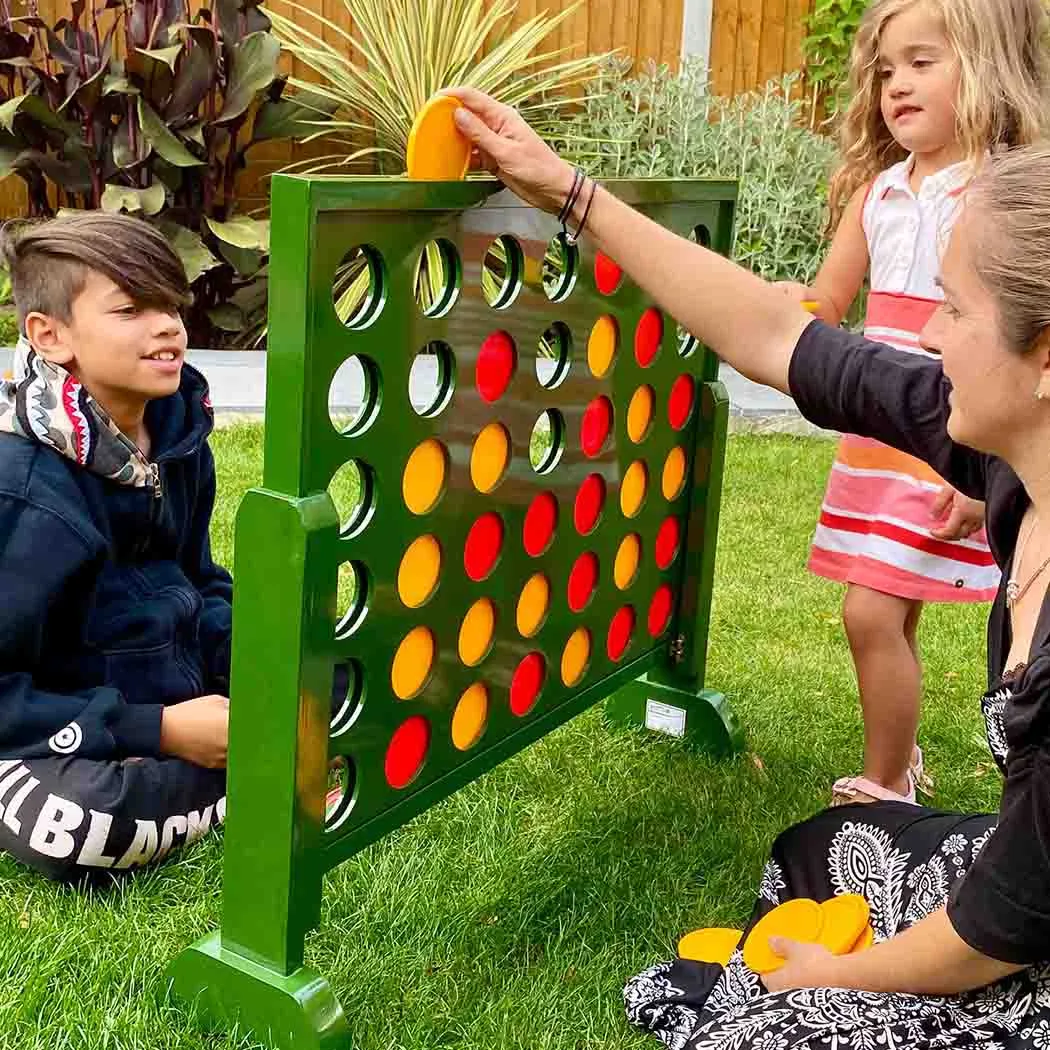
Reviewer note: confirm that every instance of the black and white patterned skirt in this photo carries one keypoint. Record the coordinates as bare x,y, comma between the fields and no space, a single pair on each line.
904,861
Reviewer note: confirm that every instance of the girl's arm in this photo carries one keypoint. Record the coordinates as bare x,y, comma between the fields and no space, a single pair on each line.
930,958
842,274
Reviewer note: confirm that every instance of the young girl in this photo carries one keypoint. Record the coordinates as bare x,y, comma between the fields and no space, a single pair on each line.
928,86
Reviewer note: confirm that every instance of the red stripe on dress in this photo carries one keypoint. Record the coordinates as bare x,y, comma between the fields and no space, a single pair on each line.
906,312
927,544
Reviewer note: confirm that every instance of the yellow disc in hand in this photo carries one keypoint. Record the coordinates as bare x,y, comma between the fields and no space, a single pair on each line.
798,920
437,149
713,945
845,918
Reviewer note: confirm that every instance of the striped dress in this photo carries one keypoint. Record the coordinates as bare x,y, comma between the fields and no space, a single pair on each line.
874,527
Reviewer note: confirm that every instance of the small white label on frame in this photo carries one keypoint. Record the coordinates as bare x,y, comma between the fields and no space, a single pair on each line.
664,718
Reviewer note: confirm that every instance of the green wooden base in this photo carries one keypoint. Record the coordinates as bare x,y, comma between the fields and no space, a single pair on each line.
297,1012
702,719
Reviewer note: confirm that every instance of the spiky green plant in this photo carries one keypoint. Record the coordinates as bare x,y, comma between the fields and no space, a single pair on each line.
399,53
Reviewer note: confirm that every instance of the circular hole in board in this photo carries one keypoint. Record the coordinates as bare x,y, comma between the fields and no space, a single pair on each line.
554,355
547,442
688,343
502,272
354,395
353,491
359,287
348,696
352,594
341,794
439,277
432,379
561,264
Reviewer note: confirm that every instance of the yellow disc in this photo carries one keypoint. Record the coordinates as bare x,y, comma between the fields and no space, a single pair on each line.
533,604
640,414
845,918
625,568
424,477
713,945
412,663
417,577
576,656
864,941
437,149
798,920
633,488
470,717
601,346
488,461
810,305
475,633
674,473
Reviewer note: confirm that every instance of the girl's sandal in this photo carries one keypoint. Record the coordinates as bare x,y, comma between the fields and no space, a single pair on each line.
919,777
859,789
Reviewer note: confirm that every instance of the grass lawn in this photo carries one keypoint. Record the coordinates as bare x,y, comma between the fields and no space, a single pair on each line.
510,915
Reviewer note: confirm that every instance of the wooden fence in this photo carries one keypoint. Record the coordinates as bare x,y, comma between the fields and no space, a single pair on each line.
751,42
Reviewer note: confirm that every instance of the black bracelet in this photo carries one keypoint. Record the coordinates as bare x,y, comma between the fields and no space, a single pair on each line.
573,238
578,179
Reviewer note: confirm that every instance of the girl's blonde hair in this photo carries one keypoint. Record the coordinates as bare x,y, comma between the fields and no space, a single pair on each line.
1004,86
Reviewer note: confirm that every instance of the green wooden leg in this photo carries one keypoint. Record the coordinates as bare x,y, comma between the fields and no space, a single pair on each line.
294,1012
702,718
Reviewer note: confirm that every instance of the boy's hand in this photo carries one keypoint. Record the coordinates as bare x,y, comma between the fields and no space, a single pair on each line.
959,516
196,730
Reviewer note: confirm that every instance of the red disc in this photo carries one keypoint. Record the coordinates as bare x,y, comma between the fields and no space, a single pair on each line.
526,684
648,336
596,426
680,403
583,578
495,368
589,503
607,274
620,631
407,750
541,520
660,611
483,546
667,540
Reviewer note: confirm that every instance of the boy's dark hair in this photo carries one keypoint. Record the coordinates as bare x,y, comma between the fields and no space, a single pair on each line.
49,262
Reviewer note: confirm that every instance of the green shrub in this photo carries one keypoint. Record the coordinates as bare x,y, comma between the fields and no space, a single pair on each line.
8,328
661,123
829,37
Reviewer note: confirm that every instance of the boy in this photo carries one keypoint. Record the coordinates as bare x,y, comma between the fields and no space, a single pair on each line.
114,620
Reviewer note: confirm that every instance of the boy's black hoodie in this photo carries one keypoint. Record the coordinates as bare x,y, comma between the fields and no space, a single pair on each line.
110,603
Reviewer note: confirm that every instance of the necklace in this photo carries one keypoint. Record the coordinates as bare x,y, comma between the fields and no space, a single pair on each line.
1015,591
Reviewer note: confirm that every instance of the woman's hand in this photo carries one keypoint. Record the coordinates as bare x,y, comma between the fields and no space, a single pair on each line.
959,517
511,150
807,966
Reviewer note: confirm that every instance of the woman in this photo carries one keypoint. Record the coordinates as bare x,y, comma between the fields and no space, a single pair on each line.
961,915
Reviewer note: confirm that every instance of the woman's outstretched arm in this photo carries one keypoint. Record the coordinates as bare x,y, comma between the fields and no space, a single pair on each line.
746,321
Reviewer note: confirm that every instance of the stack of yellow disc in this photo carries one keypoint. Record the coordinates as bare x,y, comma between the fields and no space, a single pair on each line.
845,920
798,920
712,945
